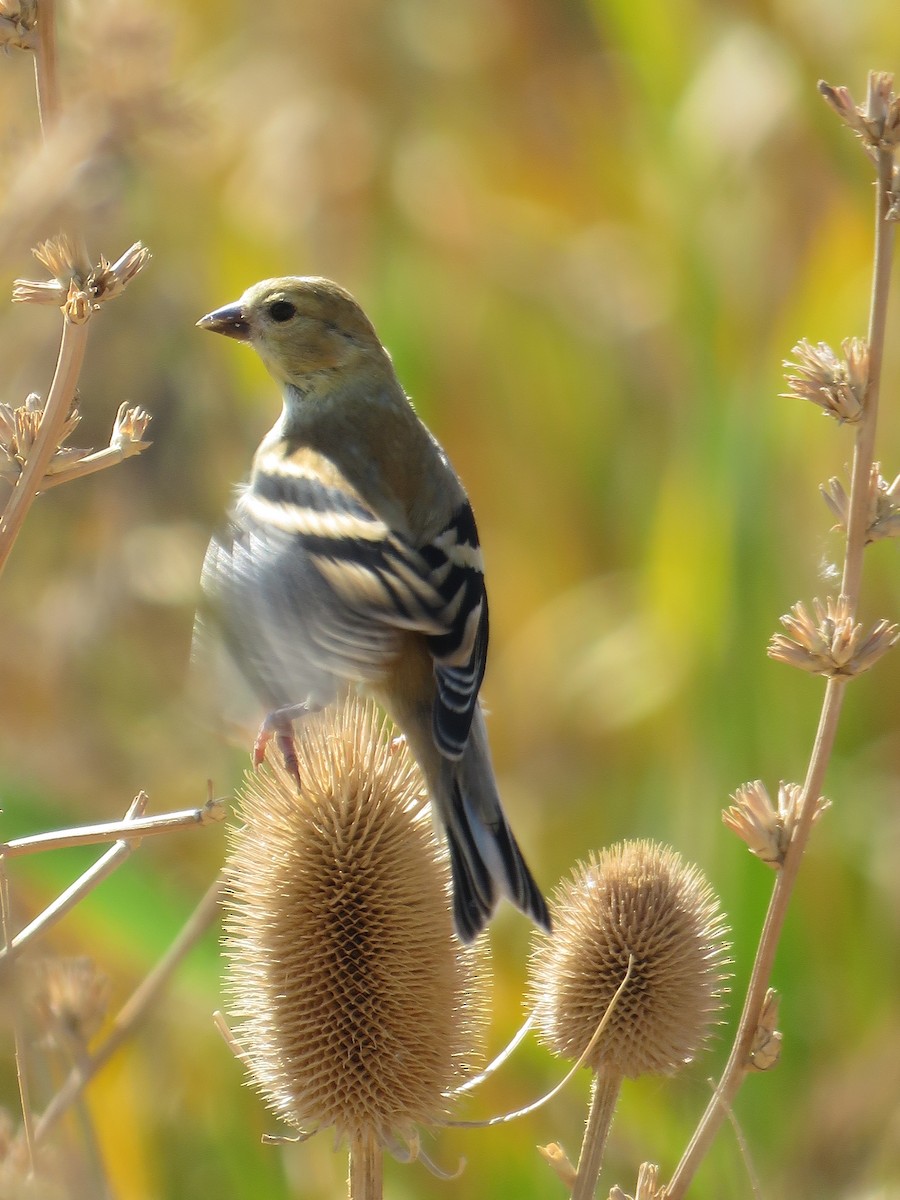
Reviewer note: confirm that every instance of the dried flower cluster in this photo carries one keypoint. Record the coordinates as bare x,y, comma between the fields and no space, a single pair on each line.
766,1048
17,21
359,1009
883,517
636,899
830,641
836,385
69,999
765,828
19,428
649,1185
877,122
78,290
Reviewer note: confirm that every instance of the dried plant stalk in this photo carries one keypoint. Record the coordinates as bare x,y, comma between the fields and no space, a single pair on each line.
876,124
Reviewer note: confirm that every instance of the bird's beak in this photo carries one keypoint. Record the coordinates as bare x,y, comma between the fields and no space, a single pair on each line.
229,320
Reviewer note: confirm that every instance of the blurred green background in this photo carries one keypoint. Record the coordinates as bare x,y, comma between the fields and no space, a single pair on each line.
589,233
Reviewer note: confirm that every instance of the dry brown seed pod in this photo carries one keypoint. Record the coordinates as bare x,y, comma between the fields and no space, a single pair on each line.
358,1008
639,943
637,898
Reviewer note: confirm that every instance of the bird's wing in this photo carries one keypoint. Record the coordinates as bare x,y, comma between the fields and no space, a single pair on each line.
311,588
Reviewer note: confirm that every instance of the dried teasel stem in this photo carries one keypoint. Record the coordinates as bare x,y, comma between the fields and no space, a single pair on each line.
126,441
76,310
604,1096
366,1177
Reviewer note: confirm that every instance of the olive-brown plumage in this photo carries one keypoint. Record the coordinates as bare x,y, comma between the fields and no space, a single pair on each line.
353,559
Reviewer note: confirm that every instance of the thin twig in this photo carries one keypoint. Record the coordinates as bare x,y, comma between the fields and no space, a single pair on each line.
109,456
864,448
108,831
46,72
46,442
66,901
134,1010
18,1031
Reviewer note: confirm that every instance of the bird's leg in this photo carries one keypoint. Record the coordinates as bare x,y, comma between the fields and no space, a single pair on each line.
279,724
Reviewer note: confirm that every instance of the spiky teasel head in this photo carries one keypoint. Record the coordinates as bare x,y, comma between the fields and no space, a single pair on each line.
640,900
359,1009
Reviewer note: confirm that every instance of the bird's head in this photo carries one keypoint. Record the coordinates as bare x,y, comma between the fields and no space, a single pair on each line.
299,326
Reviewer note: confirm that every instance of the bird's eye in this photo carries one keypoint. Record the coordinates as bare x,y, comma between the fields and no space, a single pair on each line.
281,310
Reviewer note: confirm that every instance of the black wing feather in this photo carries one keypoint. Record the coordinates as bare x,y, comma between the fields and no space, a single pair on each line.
460,653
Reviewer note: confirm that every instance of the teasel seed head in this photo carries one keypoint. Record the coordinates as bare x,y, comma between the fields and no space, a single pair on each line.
641,900
358,1007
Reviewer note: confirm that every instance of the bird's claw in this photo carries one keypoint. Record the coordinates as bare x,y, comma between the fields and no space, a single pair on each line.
279,725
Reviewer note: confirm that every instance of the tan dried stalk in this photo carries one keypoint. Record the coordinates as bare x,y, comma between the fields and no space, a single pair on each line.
59,400
134,1010
740,1062
74,337
128,834
34,461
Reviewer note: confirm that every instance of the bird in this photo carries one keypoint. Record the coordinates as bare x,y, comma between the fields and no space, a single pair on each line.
352,559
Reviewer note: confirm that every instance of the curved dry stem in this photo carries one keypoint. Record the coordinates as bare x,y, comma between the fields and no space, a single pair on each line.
503,1118
134,1010
59,401
738,1064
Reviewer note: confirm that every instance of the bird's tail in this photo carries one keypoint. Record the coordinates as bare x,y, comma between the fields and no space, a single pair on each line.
485,858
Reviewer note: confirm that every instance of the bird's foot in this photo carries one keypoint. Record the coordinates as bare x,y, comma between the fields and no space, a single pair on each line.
279,725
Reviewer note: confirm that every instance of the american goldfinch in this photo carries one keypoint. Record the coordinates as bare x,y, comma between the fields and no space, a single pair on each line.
353,559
